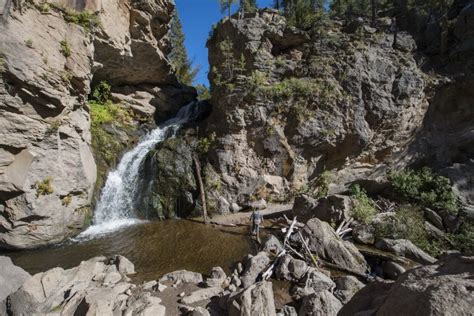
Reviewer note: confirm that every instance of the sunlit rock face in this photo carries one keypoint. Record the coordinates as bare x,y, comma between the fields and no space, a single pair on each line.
289,104
47,66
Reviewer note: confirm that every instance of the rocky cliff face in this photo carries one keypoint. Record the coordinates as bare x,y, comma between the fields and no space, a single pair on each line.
50,54
303,102
289,104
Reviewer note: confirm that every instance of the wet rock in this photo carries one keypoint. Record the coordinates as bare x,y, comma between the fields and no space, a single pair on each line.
255,300
324,242
346,287
182,276
290,269
392,270
124,265
320,303
201,295
253,267
444,288
272,245
314,281
405,248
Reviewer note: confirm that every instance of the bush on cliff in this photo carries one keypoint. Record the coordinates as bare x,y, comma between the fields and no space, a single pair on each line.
364,207
425,188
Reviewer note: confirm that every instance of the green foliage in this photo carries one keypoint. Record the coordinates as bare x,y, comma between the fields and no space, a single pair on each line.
323,182
65,201
178,56
364,207
65,49
425,188
44,7
302,13
102,92
248,5
408,223
226,5
205,143
464,240
29,43
203,92
108,112
86,19
44,187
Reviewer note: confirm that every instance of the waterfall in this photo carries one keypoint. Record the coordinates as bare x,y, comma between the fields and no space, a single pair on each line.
115,208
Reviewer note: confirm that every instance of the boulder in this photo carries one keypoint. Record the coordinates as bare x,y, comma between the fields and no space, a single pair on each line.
254,265
290,269
434,218
346,287
392,270
405,248
255,300
202,294
323,241
444,288
287,311
272,245
364,234
331,209
11,278
182,276
320,303
314,281
216,278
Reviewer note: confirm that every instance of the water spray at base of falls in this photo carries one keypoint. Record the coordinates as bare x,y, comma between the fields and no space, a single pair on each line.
115,208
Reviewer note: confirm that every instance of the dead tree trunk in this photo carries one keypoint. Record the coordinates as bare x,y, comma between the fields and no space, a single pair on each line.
201,189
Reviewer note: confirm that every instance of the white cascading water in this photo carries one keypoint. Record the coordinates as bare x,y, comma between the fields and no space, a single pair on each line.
115,206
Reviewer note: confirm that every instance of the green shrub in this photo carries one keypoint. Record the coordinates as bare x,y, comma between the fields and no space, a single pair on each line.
43,7
464,240
86,19
425,188
205,143
29,43
108,112
364,207
102,92
44,187
323,182
65,201
409,223
65,49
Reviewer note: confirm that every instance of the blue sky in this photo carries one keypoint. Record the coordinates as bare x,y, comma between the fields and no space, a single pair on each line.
197,17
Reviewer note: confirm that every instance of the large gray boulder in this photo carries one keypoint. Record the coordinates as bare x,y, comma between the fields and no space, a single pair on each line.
320,303
331,209
11,278
324,242
444,288
290,269
313,282
255,300
346,287
253,267
405,248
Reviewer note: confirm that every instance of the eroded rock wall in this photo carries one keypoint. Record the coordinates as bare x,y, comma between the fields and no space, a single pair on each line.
47,65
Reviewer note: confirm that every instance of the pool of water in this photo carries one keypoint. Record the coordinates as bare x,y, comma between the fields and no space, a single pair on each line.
154,247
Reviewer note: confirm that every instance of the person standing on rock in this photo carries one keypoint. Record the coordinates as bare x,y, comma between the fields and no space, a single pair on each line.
257,220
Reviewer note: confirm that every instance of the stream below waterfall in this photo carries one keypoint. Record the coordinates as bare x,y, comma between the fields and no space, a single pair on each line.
155,248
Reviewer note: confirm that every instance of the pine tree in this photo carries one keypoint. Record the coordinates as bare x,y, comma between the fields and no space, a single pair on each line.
248,5
226,5
178,56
